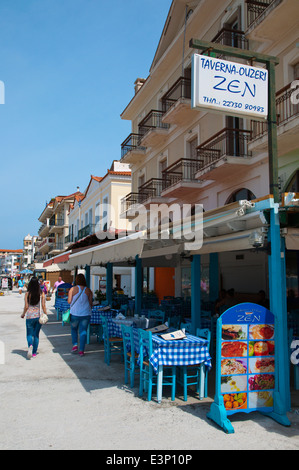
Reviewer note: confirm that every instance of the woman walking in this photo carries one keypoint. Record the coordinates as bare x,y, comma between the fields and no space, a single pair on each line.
34,299
80,300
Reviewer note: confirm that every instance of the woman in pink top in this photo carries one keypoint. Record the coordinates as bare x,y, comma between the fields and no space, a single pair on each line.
34,299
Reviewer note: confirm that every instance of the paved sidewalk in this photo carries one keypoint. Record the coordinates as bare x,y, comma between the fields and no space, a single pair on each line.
61,401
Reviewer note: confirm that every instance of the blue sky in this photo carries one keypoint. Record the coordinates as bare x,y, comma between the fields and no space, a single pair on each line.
69,69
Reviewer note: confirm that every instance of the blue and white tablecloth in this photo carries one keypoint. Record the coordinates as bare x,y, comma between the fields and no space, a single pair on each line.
188,351
61,304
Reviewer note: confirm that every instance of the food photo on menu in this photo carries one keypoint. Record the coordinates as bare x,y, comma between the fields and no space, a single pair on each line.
247,366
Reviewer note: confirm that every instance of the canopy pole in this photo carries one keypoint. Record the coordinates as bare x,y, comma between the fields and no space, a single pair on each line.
277,294
109,282
138,284
195,293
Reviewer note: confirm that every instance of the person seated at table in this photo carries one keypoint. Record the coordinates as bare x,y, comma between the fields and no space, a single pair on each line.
80,300
228,300
262,299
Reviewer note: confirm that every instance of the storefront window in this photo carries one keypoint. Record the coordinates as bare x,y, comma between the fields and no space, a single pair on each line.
204,283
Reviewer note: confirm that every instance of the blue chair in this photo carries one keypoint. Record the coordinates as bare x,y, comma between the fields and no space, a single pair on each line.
174,322
94,330
158,315
112,345
130,356
187,327
190,375
148,378
124,309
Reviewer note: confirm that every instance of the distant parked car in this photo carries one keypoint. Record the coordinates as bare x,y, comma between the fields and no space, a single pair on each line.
5,282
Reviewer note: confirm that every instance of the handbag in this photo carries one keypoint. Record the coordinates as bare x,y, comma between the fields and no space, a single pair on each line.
43,317
66,316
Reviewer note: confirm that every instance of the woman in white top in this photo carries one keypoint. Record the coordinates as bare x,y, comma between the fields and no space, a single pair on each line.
80,300
34,301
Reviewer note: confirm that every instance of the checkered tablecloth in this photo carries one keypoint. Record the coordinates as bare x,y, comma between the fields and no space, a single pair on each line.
188,351
61,304
97,313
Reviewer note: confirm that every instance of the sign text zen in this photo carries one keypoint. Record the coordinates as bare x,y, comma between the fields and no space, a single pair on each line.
229,87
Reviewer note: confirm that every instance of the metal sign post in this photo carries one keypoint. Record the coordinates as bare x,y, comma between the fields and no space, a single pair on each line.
277,281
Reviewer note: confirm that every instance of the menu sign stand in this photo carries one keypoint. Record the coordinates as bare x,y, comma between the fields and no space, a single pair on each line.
245,363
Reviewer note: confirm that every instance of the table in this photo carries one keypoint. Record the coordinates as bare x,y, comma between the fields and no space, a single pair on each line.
188,351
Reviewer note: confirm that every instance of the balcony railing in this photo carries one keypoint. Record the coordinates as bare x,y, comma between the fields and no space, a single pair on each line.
56,247
129,200
153,120
180,89
255,8
85,231
183,170
46,241
231,37
152,188
69,238
57,221
285,110
229,142
42,227
132,142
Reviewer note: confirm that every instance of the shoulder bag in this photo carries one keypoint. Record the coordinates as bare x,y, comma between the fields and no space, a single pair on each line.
66,316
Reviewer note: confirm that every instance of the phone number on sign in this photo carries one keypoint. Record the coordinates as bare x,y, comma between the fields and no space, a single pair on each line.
234,104
248,107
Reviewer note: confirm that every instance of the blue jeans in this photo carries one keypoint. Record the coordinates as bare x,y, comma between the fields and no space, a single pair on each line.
32,330
81,324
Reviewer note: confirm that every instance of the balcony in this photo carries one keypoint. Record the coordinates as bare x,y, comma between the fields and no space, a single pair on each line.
69,239
231,37
56,248
287,124
44,247
224,153
57,224
180,179
131,150
85,231
257,10
129,205
152,129
271,20
176,103
43,230
148,193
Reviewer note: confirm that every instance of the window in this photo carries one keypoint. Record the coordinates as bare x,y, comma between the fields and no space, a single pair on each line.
293,185
141,180
296,71
240,194
191,148
162,166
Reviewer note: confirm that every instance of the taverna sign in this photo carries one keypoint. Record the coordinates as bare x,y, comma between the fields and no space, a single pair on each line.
229,87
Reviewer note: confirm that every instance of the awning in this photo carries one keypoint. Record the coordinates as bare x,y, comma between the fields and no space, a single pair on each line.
120,250
58,263
236,226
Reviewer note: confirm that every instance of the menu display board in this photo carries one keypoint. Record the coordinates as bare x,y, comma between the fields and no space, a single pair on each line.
246,349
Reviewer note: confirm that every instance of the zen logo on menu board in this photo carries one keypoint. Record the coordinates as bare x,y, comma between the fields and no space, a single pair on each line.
230,87
247,347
